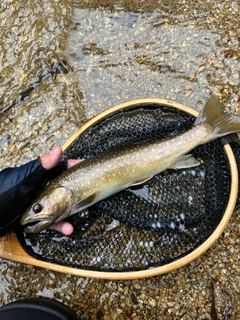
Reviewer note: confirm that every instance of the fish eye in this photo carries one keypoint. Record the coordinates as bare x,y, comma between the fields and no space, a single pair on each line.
37,207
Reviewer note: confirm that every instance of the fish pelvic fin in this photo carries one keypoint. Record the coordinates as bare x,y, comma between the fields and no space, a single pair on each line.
221,123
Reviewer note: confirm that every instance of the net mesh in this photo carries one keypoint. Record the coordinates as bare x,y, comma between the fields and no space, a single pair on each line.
150,225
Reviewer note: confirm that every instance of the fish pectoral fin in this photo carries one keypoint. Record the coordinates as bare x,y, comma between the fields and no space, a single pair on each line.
86,202
141,181
185,161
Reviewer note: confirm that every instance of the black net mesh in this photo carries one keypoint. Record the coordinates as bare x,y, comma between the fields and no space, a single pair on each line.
146,226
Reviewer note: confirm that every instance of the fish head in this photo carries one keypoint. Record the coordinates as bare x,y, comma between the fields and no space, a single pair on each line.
52,205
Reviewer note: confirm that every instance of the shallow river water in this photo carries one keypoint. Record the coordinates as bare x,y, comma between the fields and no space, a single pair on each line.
62,62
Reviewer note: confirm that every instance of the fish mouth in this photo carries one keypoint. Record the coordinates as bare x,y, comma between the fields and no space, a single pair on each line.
36,226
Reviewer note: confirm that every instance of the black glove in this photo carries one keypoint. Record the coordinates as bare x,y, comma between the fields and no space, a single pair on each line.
19,187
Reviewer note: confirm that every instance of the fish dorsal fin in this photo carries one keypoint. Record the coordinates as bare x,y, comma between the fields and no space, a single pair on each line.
141,181
85,202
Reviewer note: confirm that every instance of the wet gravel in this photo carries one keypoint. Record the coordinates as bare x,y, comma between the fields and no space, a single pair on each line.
63,62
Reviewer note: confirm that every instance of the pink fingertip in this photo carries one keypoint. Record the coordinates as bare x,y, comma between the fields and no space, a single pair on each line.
63,227
67,228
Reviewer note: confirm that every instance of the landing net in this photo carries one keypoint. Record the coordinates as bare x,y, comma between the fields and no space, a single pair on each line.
150,225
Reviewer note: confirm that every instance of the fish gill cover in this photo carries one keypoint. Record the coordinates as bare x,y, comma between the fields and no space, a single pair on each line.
150,225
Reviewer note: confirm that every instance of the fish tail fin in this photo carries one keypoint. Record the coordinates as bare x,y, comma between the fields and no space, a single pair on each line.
222,123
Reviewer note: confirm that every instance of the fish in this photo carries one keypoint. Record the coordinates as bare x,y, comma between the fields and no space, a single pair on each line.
110,172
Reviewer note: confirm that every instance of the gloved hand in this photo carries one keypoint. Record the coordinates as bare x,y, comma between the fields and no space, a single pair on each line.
19,187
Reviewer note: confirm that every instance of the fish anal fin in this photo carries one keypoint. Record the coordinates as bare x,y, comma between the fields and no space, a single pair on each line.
141,181
85,203
185,161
